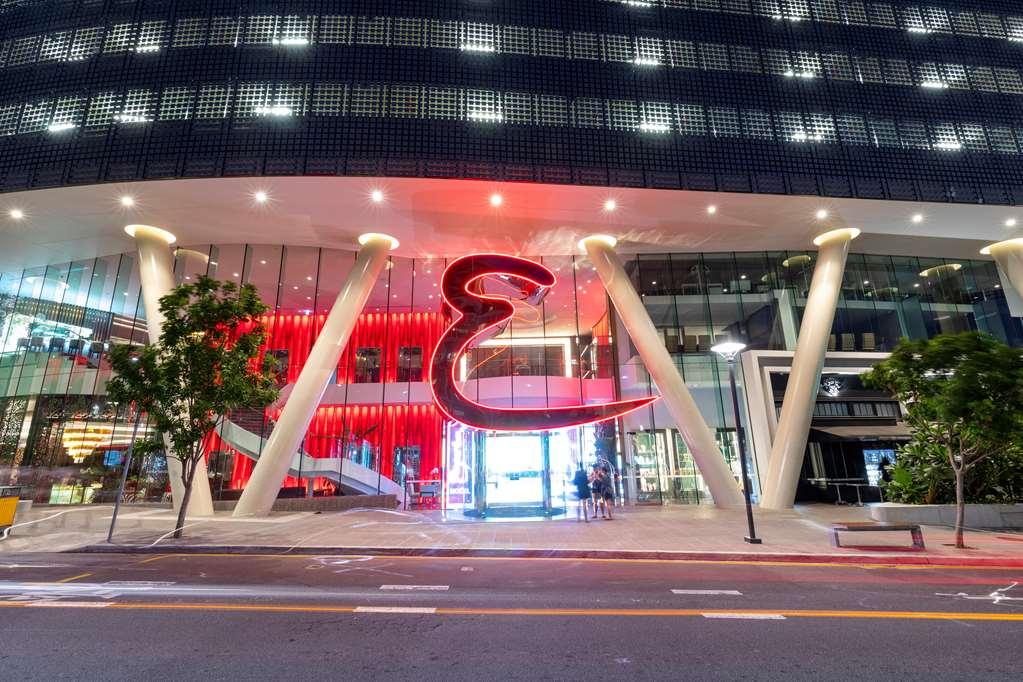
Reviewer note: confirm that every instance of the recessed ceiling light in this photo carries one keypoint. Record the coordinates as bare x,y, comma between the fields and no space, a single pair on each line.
712,209
610,205
17,213
822,214
496,200
377,196
918,217
262,262
261,197
309,278
1011,222
866,282
234,274
127,201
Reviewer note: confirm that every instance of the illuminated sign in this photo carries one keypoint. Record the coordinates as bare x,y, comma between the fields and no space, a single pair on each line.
478,315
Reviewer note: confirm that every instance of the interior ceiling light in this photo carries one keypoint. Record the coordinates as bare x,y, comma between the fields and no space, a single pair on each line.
261,197
822,214
496,200
17,213
377,196
712,209
610,205
127,201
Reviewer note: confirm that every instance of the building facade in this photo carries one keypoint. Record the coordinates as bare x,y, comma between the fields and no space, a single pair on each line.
713,138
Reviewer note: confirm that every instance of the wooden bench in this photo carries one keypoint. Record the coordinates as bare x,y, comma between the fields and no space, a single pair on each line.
870,526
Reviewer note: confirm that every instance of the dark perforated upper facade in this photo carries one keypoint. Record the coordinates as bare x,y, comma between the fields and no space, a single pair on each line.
887,100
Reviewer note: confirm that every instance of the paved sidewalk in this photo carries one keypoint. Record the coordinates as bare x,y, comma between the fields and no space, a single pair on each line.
664,532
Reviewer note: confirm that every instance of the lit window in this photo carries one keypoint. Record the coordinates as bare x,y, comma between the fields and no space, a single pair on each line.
622,114
138,105
120,38
189,33
445,103
366,100
405,101
102,108
176,103
517,40
552,110
518,108
67,113
483,105
585,45
214,102
329,99
407,32
588,113
224,31
36,116
24,51
477,37
152,36
55,47
86,43
372,31
549,43
335,30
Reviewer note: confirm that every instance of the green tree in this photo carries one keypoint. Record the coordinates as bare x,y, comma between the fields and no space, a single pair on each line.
204,365
963,394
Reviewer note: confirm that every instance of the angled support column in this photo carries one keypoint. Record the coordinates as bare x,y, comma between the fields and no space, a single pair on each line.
272,466
156,273
697,436
789,447
1009,256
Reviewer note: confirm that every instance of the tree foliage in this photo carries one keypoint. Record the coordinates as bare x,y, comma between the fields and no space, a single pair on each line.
964,399
204,365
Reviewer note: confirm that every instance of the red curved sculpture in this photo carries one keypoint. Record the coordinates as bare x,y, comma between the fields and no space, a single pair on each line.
476,314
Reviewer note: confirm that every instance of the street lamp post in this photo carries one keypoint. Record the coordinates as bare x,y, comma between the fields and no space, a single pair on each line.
729,351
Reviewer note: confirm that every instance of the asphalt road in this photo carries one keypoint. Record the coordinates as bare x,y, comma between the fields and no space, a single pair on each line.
98,617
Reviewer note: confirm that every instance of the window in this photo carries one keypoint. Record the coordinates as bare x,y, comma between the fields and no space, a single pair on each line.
372,31
649,51
913,134
756,124
724,122
990,25
137,108
120,38
881,14
214,102
445,103
549,43
335,30
406,101
517,40
518,108
224,31
67,113
152,36
617,49
189,33
36,116
982,78
745,59
965,23
896,72
407,33
552,110
329,99
656,117
622,114
837,66
682,54
176,103
1002,139
55,47
868,70
822,128
103,108
690,119
252,100
367,365
1009,81
588,113
713,57
479,37
444,34
483,105
261,30
295,30
24,51
366,100
973,137
9,116
584,45
851,129
410,363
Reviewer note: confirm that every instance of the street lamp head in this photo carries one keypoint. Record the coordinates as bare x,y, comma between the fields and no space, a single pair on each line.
728,349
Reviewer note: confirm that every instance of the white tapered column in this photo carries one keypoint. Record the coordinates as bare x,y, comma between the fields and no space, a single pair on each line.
286,438
697,436
1009,256
786,460
156,273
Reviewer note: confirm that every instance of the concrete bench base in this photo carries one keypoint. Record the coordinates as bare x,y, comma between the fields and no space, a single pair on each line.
996,516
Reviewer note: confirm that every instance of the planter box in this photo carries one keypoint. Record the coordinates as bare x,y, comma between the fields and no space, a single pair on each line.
977,515
321,504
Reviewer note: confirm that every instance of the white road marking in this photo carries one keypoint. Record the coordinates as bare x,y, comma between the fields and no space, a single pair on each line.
467,569
71,604
730,593
417,588
745,616
394,609
34,565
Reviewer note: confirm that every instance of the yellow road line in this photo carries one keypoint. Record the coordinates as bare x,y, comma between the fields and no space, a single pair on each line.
661,613
713,562
154,558
74,577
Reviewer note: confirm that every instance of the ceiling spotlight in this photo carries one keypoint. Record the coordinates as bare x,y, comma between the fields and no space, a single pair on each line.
712,209
261,197
1011,222
17,213
377,196
822,214
127,201
918,217
496,200
610,205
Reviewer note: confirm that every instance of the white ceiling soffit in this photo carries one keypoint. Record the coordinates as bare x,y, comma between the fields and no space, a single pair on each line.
454,217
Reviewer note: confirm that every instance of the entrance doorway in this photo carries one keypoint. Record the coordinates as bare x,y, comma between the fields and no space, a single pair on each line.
515,472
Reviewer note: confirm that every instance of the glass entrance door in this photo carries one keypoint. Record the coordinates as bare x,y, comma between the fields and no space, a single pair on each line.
515,471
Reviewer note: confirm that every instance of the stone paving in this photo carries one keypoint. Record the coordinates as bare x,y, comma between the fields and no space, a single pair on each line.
688,529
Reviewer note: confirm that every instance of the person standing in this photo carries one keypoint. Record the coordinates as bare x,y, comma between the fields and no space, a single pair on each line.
582,491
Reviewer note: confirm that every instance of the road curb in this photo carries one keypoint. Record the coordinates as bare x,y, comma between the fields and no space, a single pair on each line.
618,555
